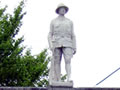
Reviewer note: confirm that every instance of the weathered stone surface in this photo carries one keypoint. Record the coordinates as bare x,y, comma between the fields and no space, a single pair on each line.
62,84
62,41
60,88
55,88
94,88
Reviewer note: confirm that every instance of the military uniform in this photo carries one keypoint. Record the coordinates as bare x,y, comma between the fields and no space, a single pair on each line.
62,41
61,33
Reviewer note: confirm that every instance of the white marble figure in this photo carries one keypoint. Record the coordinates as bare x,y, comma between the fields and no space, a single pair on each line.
62,41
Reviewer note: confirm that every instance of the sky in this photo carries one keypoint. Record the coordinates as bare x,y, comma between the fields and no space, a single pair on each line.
97,30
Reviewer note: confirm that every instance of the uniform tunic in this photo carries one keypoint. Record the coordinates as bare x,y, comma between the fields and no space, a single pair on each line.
61,40
61,33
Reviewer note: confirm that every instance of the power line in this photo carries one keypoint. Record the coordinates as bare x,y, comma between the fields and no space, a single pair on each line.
108,76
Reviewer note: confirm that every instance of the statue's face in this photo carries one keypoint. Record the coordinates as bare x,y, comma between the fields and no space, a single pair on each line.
62,11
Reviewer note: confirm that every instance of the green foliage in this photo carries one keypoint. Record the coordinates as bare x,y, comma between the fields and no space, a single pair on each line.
10,49
34,69
17,69
64,77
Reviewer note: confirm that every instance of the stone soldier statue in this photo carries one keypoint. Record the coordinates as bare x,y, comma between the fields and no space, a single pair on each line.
62,41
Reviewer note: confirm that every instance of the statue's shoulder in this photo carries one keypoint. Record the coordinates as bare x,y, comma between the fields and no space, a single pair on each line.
53,20
69,20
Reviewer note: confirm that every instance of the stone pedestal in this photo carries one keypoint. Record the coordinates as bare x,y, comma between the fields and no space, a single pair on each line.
57,88
61,86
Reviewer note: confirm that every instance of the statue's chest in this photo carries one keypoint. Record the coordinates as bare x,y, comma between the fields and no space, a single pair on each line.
62,26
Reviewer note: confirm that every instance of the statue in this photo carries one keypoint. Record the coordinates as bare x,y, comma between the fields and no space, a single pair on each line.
62,41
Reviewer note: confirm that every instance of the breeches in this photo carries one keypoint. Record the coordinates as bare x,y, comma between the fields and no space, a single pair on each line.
66,52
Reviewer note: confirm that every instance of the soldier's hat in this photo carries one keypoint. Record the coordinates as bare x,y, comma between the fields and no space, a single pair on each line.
61,5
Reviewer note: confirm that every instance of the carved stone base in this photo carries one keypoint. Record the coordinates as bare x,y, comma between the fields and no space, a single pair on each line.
62,84
60,88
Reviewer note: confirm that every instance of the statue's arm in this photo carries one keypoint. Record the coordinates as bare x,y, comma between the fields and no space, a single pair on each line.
73,38
50,35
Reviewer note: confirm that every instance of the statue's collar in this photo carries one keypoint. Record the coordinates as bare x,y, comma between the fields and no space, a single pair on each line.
61,17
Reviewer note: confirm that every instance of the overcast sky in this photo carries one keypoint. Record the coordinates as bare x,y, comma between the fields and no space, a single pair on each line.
97,30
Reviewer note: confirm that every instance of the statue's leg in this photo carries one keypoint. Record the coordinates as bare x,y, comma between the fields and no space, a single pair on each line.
57,63
68,54
51,72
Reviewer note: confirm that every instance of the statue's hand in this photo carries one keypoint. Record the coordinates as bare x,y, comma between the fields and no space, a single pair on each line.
74,50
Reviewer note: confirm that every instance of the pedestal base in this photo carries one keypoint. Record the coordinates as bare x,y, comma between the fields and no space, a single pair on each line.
61,86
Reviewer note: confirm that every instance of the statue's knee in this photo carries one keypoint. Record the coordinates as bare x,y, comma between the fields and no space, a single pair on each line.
68,60
57,61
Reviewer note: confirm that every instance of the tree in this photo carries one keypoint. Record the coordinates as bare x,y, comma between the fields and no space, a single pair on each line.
17,69
10,49
34,69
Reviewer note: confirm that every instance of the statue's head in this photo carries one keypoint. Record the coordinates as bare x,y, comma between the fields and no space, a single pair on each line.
62,9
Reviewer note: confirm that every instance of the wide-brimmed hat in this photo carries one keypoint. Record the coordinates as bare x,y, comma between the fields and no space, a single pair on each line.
60,6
